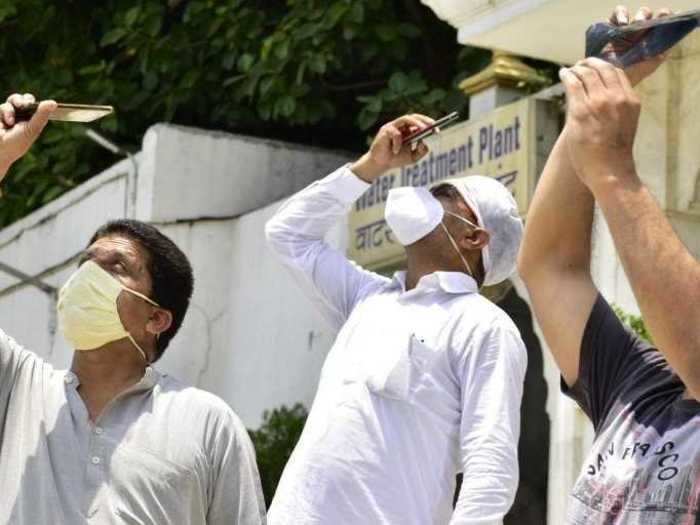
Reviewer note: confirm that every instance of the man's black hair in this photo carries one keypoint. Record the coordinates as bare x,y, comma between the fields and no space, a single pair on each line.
445,190
168,266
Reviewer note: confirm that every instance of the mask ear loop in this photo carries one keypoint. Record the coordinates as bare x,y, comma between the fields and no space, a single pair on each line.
463,219
143,354
454,245
133,341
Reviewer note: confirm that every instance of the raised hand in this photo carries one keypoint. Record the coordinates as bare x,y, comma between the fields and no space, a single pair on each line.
388,151
17,137
602,119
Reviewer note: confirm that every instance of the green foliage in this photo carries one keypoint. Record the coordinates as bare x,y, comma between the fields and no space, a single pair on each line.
274,442
635,322
321,72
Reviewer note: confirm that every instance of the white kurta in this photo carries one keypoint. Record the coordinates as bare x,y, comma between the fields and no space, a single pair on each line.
419,385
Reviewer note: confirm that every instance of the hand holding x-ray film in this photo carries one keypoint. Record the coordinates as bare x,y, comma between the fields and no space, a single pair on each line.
67,112
625,44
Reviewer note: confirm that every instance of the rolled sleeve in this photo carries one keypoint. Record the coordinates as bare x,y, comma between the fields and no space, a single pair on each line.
296,235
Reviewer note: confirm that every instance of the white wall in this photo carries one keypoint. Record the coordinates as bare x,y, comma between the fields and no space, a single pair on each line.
252,336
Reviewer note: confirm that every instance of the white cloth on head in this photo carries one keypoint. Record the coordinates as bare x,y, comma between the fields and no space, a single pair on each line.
497,212
412,213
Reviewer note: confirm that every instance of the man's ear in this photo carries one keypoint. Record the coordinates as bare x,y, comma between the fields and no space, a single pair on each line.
161,319
477,239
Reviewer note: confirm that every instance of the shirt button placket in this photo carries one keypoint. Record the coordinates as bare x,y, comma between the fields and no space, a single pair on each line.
95,474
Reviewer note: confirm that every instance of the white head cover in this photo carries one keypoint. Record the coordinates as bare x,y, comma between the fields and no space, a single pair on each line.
497,212
412,213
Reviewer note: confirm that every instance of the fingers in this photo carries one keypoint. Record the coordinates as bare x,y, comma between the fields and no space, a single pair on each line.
427,121
664,11
7,115
38,121
414,120
14,102
620,16
420,152
605,71
17,100
589,77
394,130
41,117
644,13
395,138
575,91
626,84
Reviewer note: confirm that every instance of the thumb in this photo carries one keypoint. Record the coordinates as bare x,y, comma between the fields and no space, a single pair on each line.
40,118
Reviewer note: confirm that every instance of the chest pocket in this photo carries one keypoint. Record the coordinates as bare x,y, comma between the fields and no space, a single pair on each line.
389,362
152,489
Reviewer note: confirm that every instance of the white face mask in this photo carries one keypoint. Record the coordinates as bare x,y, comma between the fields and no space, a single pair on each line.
412,213
87,309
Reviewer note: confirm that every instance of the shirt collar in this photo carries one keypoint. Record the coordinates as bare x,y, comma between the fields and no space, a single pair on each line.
448,282
147,382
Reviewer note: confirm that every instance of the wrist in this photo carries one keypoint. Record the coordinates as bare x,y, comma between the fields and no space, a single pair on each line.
612,177
367,169
606,172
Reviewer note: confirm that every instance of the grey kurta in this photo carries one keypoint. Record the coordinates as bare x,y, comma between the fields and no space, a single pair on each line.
160,453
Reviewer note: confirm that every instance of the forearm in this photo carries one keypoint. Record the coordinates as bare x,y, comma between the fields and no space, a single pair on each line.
664,276
554,260
559,220
296,234
309,214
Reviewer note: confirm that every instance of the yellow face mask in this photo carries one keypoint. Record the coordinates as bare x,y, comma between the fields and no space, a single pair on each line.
87,309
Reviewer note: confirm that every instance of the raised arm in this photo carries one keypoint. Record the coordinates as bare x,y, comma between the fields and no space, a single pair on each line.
664,276
15,140
296,232
554,260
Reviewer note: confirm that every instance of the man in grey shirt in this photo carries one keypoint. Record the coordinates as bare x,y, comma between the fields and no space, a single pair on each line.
113,440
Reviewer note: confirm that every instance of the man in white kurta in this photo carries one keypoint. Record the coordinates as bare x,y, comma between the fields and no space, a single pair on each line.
421,383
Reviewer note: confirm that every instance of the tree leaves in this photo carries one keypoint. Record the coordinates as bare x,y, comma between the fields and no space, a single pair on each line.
635,322
274,442
323,72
